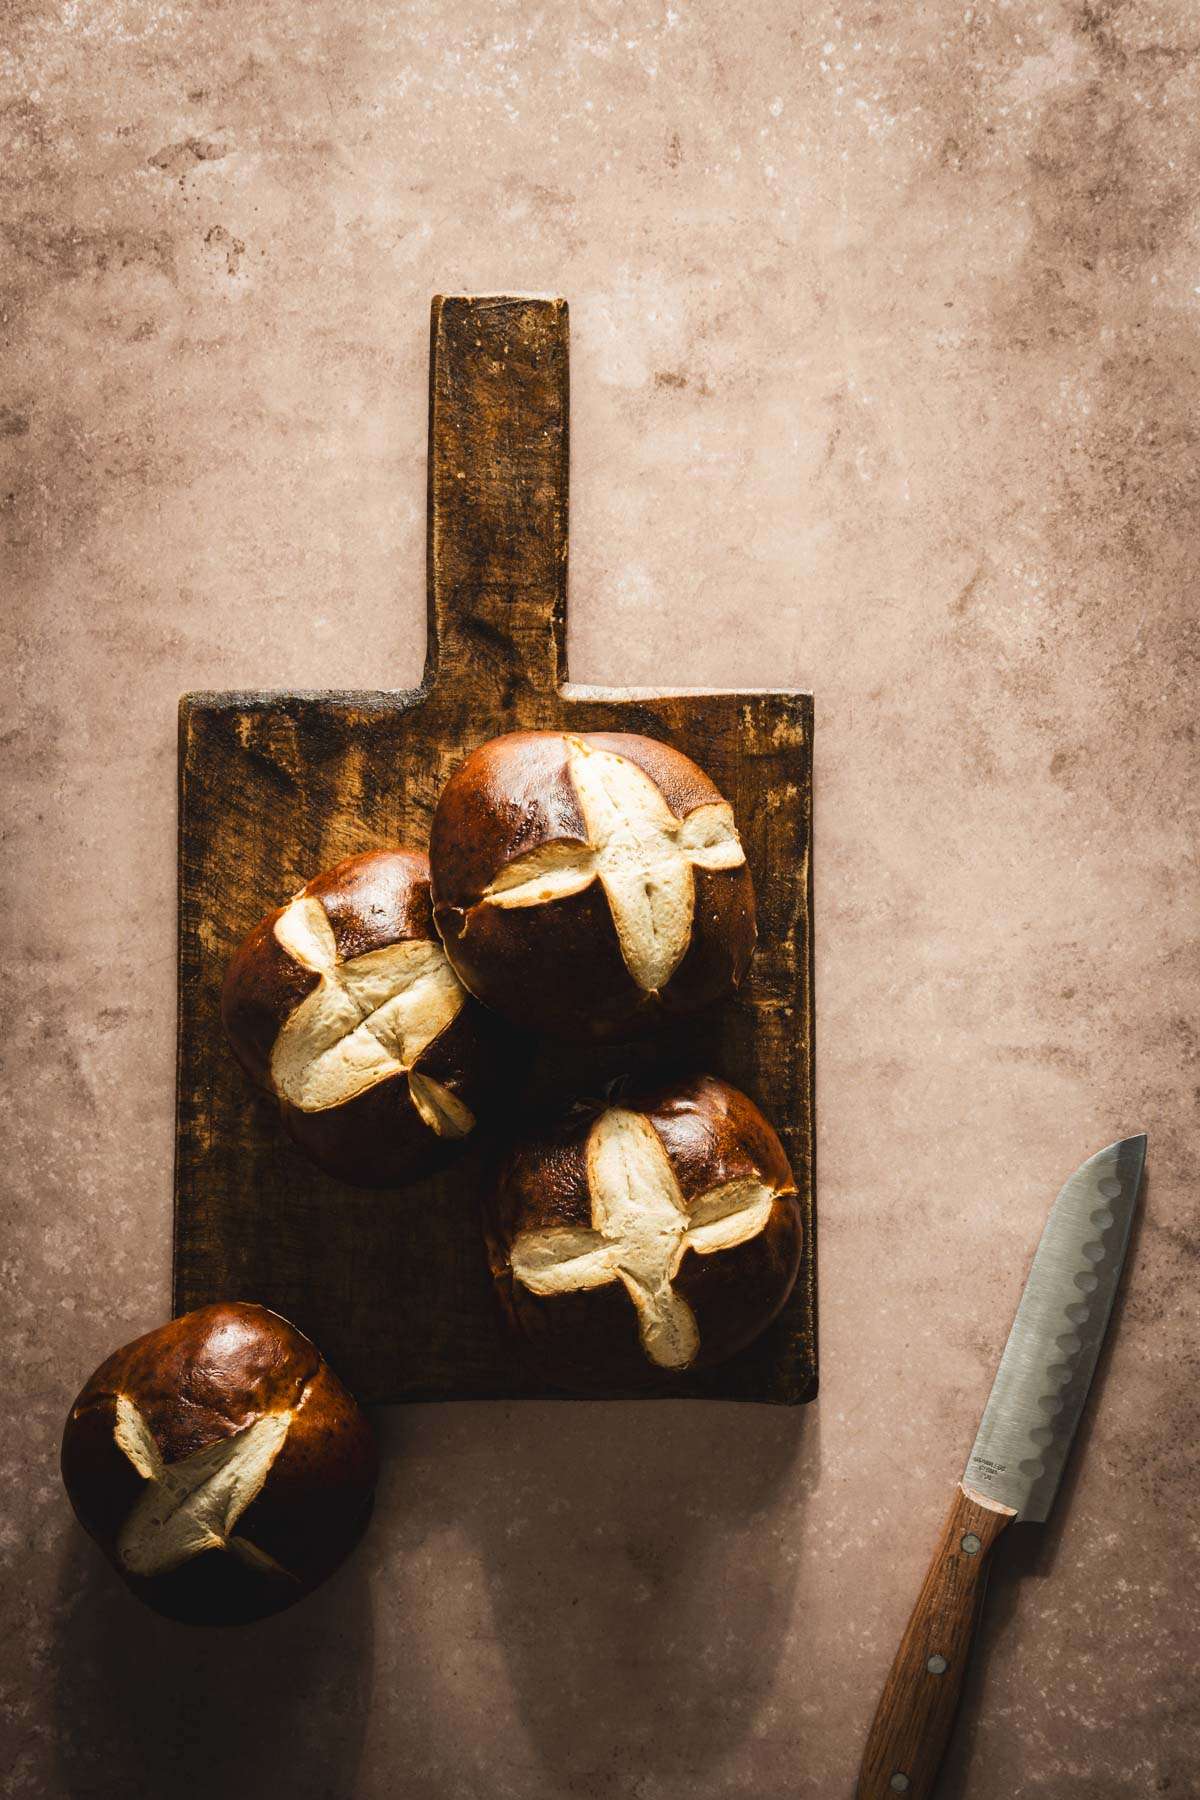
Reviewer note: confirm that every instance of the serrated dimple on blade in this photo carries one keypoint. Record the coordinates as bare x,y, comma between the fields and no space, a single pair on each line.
1048,1362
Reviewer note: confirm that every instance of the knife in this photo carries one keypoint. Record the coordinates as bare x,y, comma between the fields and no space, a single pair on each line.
1015,1468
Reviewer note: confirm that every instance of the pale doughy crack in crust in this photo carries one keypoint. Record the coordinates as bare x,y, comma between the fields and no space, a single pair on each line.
642,855
193,1505
366,1020
641,1229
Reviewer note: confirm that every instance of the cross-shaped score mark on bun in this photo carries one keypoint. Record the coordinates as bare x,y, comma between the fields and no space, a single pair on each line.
639,851
193,1505
641,1229
344,1007
366,1020
219,1464
590,884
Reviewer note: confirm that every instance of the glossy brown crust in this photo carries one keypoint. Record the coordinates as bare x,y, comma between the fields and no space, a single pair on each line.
712,1134
378,1139
374,900
196,1381
558,967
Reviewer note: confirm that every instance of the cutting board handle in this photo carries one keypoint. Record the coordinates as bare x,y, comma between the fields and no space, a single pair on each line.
497,553
913,1721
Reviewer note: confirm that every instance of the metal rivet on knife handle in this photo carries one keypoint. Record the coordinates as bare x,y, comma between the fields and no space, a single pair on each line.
913,1719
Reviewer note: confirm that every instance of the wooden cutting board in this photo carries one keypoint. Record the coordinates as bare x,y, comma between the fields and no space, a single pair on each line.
273,787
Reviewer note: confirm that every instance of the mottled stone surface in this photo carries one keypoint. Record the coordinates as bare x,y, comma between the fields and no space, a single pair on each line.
885,383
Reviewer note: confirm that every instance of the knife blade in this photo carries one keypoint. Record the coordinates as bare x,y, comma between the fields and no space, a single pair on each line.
1015,1466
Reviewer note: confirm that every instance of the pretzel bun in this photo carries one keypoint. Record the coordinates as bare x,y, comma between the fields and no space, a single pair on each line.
653,1234
220,1465
342,1004
585,885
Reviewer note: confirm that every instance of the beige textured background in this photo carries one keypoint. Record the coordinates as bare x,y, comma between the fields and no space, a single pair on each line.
885,383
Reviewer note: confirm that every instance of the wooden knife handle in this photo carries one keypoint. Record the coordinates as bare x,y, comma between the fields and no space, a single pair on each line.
913,1721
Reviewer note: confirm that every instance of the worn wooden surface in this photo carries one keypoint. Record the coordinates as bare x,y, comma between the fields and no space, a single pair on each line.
273,787
917,1708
